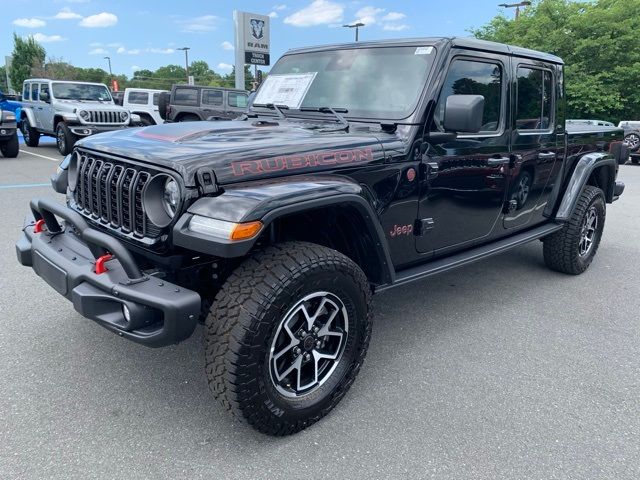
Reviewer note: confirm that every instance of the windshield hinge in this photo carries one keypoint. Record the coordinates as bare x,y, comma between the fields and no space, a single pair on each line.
207,181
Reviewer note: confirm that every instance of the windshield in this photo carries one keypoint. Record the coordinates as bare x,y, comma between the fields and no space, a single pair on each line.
81,91
381,82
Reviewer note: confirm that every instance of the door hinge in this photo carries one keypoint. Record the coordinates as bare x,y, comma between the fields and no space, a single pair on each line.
423,225
207,181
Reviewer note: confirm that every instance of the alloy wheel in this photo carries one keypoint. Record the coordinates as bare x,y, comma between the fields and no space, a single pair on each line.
588,232
308,344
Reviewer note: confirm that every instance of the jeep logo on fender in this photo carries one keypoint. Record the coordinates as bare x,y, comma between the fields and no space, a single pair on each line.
398,230
297,162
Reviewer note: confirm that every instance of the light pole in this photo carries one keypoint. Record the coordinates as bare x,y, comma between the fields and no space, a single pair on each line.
356,26
108,59
186,59
517,6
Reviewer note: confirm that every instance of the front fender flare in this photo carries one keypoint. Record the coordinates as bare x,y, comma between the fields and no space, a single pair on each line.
266,201
581,173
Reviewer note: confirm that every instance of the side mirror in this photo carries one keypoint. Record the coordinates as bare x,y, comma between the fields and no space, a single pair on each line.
463,113
44,97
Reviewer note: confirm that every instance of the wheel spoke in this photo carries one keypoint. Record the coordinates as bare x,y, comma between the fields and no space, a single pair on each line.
295,365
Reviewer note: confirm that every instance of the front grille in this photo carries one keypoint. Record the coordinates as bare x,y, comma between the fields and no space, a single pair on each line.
104,116
110,192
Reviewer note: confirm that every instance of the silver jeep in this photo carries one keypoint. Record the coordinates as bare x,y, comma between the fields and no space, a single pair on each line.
68,110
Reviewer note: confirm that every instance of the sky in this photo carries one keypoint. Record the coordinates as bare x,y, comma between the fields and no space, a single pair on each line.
144,34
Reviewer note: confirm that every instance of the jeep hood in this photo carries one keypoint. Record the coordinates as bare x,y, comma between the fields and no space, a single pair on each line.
240,150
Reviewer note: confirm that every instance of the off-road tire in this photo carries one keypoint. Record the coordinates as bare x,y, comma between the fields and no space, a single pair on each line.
11,147
561,249
65,140
30,134
242,324
163,103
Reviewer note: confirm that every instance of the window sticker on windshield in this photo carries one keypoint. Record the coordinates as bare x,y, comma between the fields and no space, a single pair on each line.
423,50
286,89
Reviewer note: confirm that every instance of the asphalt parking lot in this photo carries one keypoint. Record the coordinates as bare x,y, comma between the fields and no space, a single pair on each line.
502,369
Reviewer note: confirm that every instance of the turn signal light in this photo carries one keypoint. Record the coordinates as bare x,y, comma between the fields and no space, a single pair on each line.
243,231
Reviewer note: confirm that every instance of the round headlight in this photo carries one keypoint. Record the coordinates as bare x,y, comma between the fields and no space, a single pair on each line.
171,197
124,116
84,114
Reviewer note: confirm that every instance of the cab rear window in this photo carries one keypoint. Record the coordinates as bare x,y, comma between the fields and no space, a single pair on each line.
186,96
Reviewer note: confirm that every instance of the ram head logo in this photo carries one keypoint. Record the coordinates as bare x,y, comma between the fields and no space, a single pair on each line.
257,28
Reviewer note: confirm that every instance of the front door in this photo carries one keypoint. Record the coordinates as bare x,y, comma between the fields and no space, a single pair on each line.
44,110
463,183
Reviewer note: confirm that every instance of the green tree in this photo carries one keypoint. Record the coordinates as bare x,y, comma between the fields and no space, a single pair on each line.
3,79
27,53
599,43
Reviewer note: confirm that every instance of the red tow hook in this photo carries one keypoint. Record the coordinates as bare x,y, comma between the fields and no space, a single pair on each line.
100,263
39,226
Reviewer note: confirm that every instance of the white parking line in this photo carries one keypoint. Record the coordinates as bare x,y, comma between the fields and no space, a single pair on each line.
41,156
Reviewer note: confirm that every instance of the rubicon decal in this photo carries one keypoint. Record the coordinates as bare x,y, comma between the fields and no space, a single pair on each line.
298,162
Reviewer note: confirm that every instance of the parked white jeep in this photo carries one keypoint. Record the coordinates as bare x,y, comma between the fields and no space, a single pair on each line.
68,110
144,103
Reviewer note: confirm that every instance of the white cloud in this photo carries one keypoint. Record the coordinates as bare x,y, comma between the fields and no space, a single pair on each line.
393,17
318,12
95,44
279,7
395,27
135,67
273,15
204,23
114,44
29,22
134,51
42,38
67,14
225,66
98,51
226,45
100,20
368,15
161,50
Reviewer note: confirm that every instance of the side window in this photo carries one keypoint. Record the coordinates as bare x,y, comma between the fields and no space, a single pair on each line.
44,88
138,98
25,91
238,100
34,92
186,96
470,77
156,99
212,97
534,99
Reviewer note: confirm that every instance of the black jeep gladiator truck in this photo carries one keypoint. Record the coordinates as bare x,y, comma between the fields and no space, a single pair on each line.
9,146
359,168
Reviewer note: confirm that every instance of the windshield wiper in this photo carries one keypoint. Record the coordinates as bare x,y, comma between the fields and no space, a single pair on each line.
335,111
273,106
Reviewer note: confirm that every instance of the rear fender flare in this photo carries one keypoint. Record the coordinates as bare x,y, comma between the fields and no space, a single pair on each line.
27,113
585,166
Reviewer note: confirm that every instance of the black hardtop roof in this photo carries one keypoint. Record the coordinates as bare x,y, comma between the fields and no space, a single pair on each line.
461,42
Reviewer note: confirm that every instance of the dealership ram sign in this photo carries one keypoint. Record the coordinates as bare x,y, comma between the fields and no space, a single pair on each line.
252,42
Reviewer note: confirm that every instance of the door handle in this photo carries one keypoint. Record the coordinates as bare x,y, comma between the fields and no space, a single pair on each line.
547,155
496,162
432,170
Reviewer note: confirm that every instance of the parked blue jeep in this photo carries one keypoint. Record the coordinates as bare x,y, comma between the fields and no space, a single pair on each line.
7,104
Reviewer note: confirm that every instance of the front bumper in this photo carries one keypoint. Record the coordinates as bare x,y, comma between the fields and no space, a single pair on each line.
7,132
64,255
86,130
